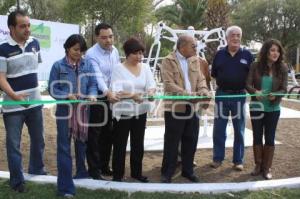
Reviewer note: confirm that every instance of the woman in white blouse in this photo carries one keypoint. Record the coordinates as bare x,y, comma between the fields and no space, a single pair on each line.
132,79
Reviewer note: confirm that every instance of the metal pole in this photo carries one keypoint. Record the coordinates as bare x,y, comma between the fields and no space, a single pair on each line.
92,38
297,59
18,4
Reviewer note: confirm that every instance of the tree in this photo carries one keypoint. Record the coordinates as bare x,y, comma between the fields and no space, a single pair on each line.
128,17
5,5
263,19
216,15
183,13
51,10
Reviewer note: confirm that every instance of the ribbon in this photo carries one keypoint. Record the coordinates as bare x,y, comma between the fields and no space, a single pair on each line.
157,97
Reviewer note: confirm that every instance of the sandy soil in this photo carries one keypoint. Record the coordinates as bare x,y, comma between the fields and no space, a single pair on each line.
286,160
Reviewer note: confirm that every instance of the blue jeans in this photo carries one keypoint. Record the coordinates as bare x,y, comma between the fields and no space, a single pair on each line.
223,108
80,156
33,118
264,124
65,184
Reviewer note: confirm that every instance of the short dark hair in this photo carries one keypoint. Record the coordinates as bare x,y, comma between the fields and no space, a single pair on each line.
73,40
12,17
100,26
133,45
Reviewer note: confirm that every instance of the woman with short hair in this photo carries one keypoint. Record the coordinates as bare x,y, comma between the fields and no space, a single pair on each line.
131,79
71,79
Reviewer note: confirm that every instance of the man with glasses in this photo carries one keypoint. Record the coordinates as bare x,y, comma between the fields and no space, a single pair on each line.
181,76
103,56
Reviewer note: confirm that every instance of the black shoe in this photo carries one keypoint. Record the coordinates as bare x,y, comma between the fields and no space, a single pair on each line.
20,188
42,173
106,172
96,175
117,179
141,178
165,179
99,177
192,178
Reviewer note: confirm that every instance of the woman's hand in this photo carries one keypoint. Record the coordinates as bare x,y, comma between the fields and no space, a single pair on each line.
259,96
137,97
150,94
92,98
113,97
271,97
72,97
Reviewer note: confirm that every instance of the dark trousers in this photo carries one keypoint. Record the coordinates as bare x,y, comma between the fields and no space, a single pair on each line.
264,123
100,137
185,128
136,126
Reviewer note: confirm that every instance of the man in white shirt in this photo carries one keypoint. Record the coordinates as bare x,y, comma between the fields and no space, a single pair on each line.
103,56
181,76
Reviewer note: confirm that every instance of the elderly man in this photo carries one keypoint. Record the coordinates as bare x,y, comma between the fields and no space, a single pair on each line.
19,59
230,69
181,76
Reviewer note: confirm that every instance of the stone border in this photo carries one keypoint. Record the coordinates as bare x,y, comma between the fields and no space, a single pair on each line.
291,100
203,188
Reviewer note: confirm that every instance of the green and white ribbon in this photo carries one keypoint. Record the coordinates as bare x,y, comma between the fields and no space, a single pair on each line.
157,97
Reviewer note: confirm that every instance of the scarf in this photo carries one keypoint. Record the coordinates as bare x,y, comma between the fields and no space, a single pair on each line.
78,123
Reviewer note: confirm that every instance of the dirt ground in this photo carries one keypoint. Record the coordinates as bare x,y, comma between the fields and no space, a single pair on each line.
286,160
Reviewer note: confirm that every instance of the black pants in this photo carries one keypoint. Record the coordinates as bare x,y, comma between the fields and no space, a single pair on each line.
100,137
182,128
136,126
264,123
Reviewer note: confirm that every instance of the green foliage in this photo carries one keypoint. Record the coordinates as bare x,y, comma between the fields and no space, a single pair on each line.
128,17
183,13
5,5
51,10
216,15
263,19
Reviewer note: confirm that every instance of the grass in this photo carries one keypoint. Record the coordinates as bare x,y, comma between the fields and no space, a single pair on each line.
47,191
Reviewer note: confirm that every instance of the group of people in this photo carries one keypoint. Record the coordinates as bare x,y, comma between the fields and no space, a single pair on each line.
117,96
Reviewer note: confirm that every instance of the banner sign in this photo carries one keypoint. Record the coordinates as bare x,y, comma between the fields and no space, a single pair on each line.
51,36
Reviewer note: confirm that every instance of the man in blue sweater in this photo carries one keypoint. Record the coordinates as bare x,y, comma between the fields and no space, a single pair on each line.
230,69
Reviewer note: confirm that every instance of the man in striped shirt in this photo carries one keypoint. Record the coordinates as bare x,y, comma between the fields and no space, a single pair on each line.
19,59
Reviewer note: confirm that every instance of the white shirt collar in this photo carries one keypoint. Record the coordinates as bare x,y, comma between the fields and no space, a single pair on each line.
104,51
180,56
12,42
